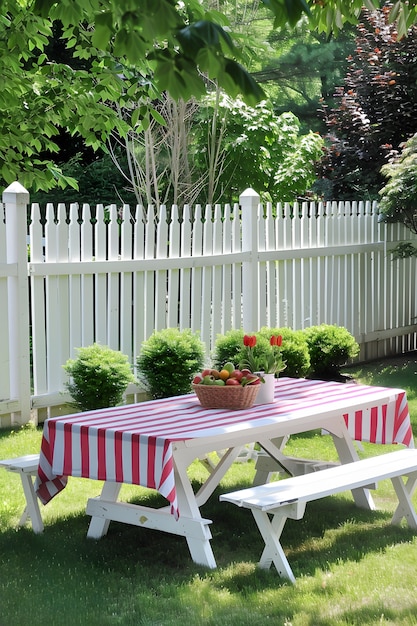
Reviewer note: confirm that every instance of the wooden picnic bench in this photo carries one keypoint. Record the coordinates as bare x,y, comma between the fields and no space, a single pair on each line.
27,467
287,498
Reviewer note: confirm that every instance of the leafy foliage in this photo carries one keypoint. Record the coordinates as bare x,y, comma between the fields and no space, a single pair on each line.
40,96
98,182
303,69
331,16
119,51
115,52
376,107
168,360
262,150
330,348
399,196
99,377
227,348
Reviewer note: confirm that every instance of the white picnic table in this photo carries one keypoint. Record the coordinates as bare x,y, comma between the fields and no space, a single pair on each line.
153,443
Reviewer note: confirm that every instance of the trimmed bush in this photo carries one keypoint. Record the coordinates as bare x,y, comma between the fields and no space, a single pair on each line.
168,361
330,348
294,350
227,348
99,377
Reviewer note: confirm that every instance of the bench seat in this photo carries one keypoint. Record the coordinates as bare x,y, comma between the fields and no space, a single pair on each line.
287,498
27,467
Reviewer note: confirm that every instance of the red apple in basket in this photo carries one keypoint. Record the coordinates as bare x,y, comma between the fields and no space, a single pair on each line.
232,381
237,374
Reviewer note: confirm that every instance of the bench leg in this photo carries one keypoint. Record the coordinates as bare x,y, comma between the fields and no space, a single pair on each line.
32,507
405,507
273,552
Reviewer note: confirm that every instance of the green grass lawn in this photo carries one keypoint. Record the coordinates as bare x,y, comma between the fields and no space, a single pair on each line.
352,567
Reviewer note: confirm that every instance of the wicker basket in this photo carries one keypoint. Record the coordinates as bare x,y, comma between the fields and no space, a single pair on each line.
226,397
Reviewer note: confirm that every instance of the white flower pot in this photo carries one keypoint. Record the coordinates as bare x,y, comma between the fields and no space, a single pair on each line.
266,389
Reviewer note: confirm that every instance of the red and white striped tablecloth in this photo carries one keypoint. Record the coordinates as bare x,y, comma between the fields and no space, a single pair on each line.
133,443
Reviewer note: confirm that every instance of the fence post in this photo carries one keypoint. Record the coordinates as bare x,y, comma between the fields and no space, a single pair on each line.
249,202
16,199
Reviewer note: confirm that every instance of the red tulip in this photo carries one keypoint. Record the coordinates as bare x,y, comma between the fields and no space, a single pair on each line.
249,341
279,341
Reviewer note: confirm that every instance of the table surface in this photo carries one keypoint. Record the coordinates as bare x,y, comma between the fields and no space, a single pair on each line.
136,443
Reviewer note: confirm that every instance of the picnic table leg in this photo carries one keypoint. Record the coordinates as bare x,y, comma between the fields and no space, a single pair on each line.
98,526
32,508
199,547
216,474
283,463
263,471
347,454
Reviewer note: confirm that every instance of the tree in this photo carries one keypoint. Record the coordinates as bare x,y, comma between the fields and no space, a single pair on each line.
40,97
305,67
189,152
376,107
213,150
155,161
399,195
259,149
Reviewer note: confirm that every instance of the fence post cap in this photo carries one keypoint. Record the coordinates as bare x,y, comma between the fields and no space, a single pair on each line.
13,190
250,192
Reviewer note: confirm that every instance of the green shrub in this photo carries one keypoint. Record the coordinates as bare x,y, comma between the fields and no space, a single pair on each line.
169,360
294,350
330,348
99,377
227,348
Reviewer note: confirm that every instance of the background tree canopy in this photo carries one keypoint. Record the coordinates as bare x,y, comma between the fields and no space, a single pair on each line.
375,109
119,51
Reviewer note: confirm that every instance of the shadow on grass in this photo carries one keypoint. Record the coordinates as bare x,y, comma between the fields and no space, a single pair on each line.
331,530
44,575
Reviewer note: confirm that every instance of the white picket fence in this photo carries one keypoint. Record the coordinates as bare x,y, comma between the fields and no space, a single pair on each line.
116,278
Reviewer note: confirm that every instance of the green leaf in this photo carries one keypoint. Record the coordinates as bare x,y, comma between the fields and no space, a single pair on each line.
209,62
62,180
103,30
252,92
134,117
157,117
67,11
42,7
131,45
180,78
203,34
402,23
287,11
